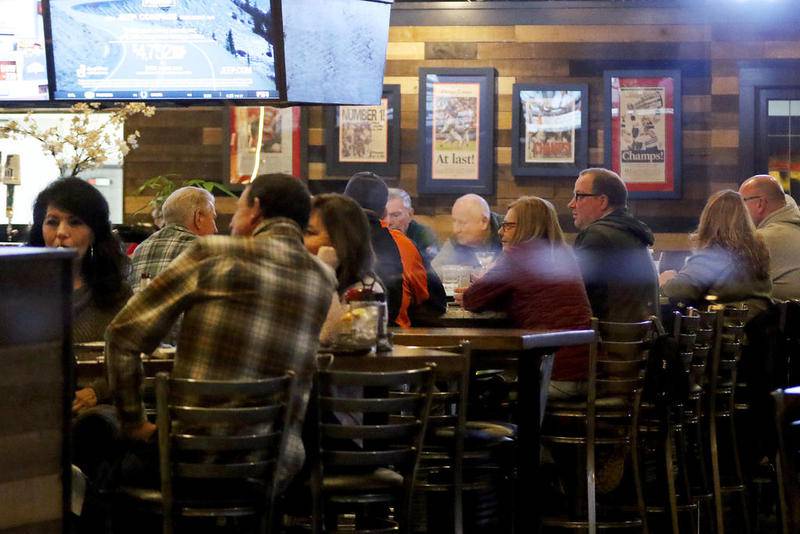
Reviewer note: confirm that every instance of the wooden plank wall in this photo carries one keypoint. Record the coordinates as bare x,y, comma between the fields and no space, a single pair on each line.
707,55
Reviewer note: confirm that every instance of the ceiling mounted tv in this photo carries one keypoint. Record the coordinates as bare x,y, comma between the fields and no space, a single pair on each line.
164,50
23,62
335,50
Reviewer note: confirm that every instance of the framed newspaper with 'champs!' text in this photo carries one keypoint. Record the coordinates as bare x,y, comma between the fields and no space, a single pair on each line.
549,129
643,130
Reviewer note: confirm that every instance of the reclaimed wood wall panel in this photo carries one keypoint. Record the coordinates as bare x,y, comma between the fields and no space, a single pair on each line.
707,55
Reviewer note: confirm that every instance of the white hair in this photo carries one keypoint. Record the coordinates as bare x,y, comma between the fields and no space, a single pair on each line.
181,205
394,192
476,203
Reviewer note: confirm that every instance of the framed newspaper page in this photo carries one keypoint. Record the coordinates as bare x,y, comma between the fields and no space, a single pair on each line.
265,143
643,131
364,138
549,129
456,131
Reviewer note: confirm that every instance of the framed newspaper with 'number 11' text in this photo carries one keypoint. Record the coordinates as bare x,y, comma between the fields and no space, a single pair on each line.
643,131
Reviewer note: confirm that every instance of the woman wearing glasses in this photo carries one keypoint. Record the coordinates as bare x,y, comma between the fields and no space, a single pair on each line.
730,262
536,281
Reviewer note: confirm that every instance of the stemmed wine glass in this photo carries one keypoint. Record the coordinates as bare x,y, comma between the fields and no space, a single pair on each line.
485,258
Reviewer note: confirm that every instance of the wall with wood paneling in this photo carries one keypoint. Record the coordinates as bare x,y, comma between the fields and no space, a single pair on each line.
707,51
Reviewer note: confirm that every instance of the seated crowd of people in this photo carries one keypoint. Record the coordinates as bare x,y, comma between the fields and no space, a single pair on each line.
260,301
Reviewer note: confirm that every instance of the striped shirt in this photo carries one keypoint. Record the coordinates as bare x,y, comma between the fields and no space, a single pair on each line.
253,307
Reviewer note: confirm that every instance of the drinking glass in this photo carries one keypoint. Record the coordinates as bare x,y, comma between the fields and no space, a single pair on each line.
485,258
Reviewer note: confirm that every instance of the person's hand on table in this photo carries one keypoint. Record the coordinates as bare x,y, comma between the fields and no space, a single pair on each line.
666,276
142,432
84,398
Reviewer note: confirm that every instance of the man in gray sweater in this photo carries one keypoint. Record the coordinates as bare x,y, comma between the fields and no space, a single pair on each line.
777,221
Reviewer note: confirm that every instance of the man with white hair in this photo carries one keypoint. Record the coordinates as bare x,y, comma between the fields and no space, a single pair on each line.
400,216
188,212
475,230
777,221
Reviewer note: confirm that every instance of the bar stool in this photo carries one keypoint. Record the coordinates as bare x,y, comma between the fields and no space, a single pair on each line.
726,478
607,417
787,422
663,429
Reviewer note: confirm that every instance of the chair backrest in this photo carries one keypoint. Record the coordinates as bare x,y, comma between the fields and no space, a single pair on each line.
787,422
789,325
451,378
622,352
388,428
685,331
727,347
220,430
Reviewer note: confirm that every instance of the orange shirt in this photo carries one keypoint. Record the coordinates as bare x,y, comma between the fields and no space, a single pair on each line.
415,278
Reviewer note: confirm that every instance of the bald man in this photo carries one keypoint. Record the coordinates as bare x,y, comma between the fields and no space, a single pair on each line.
475,229
777,221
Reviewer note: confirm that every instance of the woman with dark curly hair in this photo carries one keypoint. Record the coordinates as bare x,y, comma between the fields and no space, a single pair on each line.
72,213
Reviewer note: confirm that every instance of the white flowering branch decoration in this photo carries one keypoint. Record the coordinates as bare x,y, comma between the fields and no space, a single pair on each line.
80,146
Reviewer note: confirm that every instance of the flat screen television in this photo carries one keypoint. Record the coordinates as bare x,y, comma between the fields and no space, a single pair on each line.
164,50
335,50
23,63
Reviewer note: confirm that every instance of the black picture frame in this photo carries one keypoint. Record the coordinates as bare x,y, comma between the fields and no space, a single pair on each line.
564,148
648,182
456,98
343,161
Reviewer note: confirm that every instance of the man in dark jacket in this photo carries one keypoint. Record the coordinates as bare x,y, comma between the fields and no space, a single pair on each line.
611,248
414,292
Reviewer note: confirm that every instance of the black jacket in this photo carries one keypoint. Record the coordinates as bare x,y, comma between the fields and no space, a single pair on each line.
617,268
389,268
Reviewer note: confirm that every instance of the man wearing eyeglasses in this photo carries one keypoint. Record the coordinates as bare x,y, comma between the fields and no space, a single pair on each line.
612,249
777,221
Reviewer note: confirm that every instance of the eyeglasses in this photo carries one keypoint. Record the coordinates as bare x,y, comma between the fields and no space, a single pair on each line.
508,226
577,196
748,199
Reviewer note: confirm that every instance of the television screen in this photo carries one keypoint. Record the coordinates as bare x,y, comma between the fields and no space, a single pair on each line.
23,63
163,50
340,61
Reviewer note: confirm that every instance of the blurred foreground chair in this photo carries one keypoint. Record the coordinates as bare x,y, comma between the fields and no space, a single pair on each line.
787,423
440,476
220,443
366,461
606,419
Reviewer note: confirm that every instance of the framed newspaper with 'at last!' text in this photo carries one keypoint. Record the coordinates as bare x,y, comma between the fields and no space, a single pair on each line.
643,131
364,138
456,131
549,129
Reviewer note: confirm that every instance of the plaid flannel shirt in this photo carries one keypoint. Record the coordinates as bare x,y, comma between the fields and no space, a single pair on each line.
157,251
252,307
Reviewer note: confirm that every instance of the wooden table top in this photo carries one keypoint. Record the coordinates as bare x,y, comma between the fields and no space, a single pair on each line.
492,338
397,358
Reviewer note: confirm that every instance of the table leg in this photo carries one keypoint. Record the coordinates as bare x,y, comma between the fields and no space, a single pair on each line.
527,513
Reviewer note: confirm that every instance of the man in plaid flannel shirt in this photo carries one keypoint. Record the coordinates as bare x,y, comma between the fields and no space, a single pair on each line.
253,306
188,212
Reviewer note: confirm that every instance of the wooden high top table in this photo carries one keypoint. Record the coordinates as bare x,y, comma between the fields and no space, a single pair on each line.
529,346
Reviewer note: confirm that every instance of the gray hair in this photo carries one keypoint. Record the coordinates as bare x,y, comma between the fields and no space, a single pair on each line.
181,205
394,192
